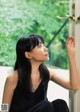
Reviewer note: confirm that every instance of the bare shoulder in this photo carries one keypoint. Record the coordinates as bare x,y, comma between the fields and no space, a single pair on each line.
12,80
10,85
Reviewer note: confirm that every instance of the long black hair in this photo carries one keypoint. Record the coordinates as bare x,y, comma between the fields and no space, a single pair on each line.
23,65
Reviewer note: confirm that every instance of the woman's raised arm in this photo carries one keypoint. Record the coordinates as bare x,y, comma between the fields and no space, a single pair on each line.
73,83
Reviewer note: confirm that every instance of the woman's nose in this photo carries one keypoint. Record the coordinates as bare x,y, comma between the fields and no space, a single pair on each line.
45,48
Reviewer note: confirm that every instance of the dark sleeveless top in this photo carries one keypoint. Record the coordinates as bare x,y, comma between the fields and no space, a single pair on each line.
23,100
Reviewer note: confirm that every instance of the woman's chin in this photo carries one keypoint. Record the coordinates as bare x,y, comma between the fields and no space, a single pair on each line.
47,59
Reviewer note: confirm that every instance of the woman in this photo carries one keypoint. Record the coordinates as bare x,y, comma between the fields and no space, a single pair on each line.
25,90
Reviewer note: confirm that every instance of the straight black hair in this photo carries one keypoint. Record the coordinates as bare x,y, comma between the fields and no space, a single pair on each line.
23,65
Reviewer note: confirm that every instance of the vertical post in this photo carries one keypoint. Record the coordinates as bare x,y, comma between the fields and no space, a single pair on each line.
72,13
71,33
77,42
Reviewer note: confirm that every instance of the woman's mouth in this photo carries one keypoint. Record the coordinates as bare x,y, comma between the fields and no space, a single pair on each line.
46,54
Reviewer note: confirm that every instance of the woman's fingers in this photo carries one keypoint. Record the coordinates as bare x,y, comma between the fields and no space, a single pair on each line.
70,46
70,42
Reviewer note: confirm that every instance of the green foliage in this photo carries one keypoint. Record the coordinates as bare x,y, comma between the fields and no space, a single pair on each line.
18,18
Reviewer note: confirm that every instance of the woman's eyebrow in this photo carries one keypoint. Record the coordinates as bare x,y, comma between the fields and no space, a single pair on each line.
41,42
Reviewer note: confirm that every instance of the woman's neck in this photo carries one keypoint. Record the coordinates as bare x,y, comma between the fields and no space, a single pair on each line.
35,68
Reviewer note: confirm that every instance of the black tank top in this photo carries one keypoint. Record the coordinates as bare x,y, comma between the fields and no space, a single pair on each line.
23,101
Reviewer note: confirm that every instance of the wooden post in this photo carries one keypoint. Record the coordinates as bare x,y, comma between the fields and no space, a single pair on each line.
77,41
71,33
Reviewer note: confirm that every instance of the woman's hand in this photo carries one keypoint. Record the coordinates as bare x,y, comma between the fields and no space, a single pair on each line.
70,47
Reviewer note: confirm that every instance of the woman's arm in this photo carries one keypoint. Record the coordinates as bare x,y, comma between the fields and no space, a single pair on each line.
74,78
73,83
9,87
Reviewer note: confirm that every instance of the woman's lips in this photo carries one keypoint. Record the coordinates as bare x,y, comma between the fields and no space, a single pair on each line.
46,54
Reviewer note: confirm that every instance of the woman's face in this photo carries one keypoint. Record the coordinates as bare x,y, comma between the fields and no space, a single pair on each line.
39,53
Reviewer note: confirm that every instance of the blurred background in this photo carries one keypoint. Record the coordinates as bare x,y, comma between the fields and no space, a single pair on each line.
44,17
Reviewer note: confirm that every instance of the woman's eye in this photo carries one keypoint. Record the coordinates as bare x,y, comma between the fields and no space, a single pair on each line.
40,45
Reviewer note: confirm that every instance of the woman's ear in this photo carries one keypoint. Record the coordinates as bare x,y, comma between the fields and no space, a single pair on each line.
27,55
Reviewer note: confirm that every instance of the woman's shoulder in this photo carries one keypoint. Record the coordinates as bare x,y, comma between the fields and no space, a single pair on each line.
12,79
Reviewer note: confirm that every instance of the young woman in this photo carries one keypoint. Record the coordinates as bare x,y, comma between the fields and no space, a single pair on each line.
25,90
